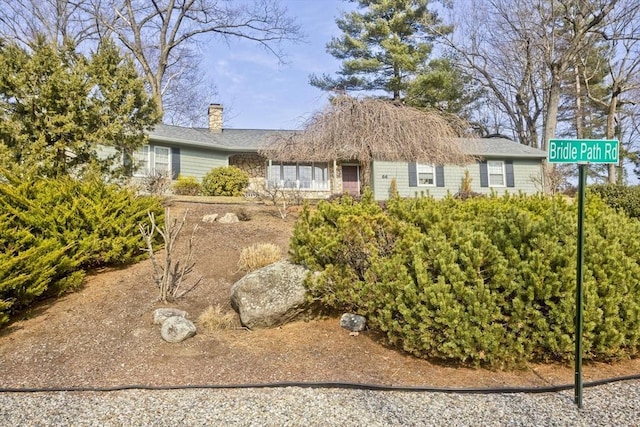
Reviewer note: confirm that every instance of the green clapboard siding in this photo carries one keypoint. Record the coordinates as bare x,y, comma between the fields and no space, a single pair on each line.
527,178
193,162
197,163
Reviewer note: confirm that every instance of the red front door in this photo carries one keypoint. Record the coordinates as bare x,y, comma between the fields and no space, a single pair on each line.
351,179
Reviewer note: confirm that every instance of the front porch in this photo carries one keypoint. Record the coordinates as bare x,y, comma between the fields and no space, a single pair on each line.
311,180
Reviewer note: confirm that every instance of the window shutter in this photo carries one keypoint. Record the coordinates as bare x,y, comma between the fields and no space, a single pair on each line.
439,176
175,162
484,174
413,175
127,162
508,167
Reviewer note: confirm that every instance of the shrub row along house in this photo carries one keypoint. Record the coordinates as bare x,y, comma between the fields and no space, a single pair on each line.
500,165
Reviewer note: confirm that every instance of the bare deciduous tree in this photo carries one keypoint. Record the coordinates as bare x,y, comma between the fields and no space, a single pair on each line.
170,273
161,34
188,94
493,43
521,50
373,129
165,37
568,27
24,20
622,63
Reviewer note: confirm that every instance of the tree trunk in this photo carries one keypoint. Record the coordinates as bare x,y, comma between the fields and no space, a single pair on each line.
550,124
551,116
579,113
157,97
611,131
366,176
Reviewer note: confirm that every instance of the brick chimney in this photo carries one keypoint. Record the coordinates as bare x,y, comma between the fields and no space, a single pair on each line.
215,117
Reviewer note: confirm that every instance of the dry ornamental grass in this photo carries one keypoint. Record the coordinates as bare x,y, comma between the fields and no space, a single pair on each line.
258,255
215,319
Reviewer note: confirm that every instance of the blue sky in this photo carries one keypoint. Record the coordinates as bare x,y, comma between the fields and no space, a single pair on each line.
259,93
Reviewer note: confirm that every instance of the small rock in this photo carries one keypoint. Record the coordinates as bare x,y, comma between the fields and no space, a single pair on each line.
177,329
353,322
162,314
210,218
354,334
229,218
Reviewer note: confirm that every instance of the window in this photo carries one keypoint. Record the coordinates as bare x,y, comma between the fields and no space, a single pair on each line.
145,164
321,174
161,161
141,161
304,176
426,175
289,175
495,169
273,174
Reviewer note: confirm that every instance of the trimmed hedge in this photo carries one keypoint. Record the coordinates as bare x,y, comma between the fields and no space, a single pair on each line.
487,281
52,230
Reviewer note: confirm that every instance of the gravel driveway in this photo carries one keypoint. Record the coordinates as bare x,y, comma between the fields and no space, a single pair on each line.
616,404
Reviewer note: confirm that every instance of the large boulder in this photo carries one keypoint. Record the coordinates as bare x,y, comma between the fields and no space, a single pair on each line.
270,296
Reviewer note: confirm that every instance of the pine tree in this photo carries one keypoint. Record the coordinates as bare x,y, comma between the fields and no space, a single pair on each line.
58,105
383,46
442,86
123,109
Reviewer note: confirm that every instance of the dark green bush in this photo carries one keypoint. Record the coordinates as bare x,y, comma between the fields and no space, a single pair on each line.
187,186
487,281
52,230
342,240
225,181
620,197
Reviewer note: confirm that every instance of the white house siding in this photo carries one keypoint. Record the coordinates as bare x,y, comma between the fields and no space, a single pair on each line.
527,179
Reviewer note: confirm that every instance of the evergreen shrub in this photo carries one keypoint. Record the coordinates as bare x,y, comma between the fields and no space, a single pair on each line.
619,197
187,186
52,230
487,281
225,181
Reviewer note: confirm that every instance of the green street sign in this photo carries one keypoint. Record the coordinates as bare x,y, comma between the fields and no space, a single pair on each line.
582,151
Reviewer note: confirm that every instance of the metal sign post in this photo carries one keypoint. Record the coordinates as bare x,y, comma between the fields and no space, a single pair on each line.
582,181
582,152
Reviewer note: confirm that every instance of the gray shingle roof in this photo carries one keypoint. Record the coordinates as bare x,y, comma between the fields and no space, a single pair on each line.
499,147
249,140
227,139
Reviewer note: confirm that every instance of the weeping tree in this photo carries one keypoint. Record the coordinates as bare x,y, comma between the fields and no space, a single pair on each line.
371,129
